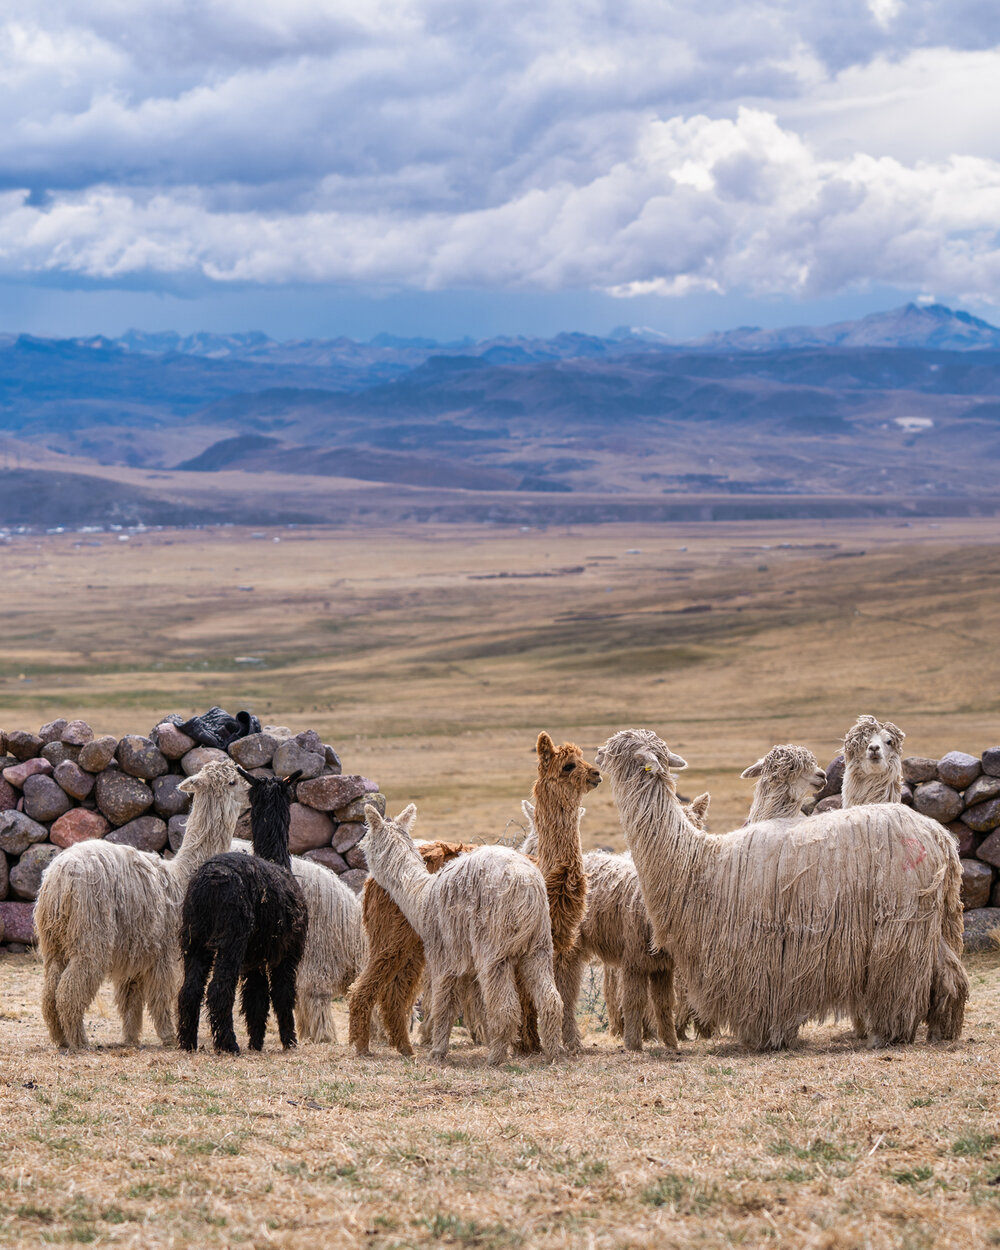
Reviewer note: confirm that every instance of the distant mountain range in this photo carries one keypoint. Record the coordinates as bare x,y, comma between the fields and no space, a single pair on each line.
906,401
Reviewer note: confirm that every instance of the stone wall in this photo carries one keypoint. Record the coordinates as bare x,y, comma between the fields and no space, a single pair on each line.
64,784
963,792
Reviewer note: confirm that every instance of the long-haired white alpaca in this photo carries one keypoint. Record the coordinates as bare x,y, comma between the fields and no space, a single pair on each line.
873,768
850,912
486,914
785,776
336,946
106,911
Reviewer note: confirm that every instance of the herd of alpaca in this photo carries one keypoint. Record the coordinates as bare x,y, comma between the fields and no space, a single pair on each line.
790,918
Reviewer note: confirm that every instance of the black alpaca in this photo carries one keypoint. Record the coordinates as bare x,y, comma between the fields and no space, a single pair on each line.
246,914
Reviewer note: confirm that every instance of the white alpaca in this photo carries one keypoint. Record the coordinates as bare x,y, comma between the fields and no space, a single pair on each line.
110,911
873,769
336,946
785,776
485,914
850,912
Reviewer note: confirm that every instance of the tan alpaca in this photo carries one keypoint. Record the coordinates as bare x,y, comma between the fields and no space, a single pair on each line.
785,776
106,911
873,768
784,921
484,914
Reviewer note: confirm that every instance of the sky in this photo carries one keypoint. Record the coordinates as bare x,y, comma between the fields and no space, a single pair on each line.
444,167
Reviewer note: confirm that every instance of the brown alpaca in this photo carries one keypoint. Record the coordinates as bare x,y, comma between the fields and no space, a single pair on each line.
391,977
564,777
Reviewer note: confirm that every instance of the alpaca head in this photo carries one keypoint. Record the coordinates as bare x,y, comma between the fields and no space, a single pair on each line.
872,746
792,769
270,813
262,788
639,756
563,772
697,810
218,780
380,829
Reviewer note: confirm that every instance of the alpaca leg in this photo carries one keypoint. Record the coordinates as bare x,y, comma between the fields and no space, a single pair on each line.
128,1000
527,1041
661,993
613,1000
221,997
897,991
53,971
442,994
503,1009
197,965
473,1013
569,974
77,987
397,996
282,979
635,992
160,994
949,990
254,1005
314,1017
536,973
426,1007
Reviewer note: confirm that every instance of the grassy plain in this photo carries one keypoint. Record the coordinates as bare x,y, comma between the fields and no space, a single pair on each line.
433,673
432,656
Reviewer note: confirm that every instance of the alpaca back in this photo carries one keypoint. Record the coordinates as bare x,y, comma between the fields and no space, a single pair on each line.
241,894
488,905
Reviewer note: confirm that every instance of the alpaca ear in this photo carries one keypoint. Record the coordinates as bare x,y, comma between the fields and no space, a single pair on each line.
649,761
245,775
292,778
895,732
754,770
676,761
545,748
529,809
407,817
373,818
699,804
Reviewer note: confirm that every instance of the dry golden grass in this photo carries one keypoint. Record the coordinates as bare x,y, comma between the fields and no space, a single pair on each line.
827,1146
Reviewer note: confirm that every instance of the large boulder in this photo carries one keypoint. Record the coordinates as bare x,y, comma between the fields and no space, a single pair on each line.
984,817
78,825
139,757
77,733
991,761
917,768
989,849
9,797
982,788
17,922
964,838
26,875
834,778
348,835
356,810
982,929
18,774
4,875
977,882
356,858
196,759
355,878
292,757
57,752
52,731
44,800
307,829
958,769
935,799
97,754
175,831
254,751
171,741
74,780
23,745
120,797
327,794
333,764
832,803
18,832
148,833
328,857
168,800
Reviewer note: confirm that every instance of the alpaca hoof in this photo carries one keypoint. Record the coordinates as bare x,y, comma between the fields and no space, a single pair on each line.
227,1048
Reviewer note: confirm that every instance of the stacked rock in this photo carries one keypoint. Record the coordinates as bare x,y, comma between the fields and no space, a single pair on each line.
65,784
962,792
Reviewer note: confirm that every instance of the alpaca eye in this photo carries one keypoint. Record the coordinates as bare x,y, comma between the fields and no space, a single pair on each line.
568,768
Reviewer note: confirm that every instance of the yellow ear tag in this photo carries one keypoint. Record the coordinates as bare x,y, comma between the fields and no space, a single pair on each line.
648,768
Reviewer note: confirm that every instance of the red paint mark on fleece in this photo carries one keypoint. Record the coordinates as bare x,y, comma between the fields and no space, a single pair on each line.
915,852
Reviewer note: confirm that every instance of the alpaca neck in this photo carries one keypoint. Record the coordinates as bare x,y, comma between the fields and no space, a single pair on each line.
773,801
557,828
860,788
269,820
209,831
669,853
395,863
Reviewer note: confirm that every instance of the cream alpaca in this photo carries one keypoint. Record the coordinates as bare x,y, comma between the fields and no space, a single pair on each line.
485,913
109,911
780,922
785,776
873,769
336,946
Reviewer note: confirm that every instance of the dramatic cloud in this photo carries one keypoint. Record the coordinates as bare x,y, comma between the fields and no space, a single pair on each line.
433,144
